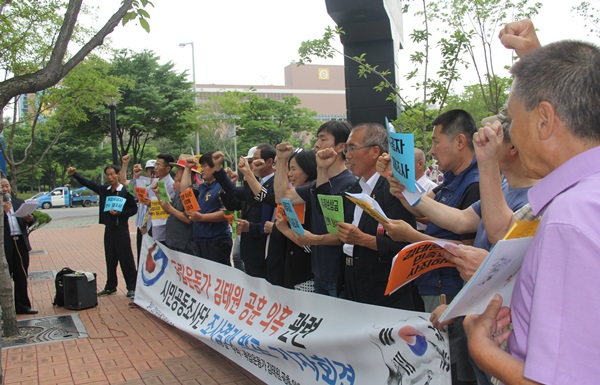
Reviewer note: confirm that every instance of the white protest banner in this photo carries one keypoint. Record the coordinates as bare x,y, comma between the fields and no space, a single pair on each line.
284,336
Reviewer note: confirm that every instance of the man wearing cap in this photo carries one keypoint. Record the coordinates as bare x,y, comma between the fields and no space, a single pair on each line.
162,169
179,225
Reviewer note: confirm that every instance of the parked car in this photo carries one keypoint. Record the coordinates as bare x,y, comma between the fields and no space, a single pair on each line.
36,196
65,197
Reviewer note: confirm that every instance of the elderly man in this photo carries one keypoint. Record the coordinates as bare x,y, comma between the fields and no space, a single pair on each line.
368,251
16,248
556,129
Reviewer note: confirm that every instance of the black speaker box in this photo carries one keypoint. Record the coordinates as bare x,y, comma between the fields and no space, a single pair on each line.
79,293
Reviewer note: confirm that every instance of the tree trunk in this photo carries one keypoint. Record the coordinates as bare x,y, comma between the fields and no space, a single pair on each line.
7,301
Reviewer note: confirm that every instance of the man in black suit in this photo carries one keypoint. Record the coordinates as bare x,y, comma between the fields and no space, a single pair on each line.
117,242
368,251
16,247
257,207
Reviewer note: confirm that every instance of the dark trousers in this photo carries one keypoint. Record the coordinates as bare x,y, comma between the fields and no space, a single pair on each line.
117,250
138,243
217,250
17,257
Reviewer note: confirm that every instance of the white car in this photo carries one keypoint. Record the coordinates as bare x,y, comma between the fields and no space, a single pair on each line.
36,196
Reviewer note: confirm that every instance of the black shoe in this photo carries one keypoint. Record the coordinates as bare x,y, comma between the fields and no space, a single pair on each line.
106,292
130,293
27,311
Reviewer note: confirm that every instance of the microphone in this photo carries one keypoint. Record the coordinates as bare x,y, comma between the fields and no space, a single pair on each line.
6,197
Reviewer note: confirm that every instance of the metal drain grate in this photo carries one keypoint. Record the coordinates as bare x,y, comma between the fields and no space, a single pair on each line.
47,329
41,275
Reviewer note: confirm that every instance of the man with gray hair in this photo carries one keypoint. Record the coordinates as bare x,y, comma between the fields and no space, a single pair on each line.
553,104
368,251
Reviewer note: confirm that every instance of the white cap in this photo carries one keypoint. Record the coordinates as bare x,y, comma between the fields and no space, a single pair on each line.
150,163
251,152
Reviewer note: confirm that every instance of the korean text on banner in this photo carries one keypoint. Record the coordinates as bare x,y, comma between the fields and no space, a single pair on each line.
289,337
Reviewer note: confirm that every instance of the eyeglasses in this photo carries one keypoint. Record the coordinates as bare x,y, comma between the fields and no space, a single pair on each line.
159,165
351,149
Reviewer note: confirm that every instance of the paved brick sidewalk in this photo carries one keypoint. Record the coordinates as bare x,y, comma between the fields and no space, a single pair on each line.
125,346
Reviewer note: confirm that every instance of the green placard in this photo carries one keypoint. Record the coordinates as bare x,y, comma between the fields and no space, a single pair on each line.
333,211
162,191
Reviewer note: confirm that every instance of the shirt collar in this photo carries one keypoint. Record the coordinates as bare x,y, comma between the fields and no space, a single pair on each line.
564,177
452,181
119,187
369,185
266,178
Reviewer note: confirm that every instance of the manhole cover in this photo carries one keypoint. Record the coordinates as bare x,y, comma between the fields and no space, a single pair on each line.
38,252
41,275
47,329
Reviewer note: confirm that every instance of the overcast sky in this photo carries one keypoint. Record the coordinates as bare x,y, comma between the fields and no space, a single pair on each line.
249,42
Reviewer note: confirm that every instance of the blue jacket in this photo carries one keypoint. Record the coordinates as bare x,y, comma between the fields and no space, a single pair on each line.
459,191
209,202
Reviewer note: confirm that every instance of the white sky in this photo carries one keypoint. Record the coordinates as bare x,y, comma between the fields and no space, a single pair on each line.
249,42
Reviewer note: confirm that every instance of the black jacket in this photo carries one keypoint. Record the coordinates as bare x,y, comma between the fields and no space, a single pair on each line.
366,275
23,225
106,218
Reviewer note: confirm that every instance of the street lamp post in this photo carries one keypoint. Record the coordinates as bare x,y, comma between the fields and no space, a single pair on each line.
193,88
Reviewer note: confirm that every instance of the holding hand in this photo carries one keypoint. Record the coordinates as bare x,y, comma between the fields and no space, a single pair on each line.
71,171
384,165
284,151
435,316
232,175
488,326
466,258
398,230
487,142
244,167
218,159
137,170
326,158
520,36
348,233
268,228
243,225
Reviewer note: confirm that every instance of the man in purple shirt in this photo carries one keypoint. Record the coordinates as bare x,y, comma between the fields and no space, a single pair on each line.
553,104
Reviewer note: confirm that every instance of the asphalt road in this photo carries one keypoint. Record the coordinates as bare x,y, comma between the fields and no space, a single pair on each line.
71,217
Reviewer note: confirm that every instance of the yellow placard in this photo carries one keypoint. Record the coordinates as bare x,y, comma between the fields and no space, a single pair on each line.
522,229
157,210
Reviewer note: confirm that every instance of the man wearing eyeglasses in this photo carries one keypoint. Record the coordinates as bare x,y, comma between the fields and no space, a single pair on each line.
162,171
368,251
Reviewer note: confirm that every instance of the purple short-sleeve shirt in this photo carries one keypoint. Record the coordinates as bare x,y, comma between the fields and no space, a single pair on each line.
554,311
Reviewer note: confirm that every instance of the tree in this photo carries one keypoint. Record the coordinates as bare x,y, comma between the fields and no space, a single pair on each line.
52,65
589,11
479,21
257,120
154,103
272,121
54,110
470,99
